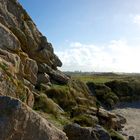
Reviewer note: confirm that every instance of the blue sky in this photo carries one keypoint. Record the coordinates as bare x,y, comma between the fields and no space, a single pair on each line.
91,35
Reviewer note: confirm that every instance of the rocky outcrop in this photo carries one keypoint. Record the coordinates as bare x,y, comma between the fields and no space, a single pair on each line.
20,37
22,49
18,121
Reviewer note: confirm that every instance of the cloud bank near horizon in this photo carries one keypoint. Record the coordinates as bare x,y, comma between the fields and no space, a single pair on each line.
115,56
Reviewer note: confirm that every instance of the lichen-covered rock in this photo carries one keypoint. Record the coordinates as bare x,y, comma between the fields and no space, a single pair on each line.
18,121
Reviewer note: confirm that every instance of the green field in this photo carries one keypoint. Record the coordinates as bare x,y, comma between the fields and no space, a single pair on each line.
103,78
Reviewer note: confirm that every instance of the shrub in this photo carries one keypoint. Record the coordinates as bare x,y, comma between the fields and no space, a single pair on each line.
103,94
70,95
62,97
125,90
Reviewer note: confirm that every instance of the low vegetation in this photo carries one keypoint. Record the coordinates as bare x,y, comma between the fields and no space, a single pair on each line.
125,90
43,103
111,89
103,94
70,95
84,120
100,78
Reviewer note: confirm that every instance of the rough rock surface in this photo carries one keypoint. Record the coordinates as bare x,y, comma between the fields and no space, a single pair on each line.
19,122
20,37
55,75
22,49
76,132
111,120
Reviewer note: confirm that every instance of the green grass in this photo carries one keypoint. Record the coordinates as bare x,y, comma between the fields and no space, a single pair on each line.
46,105
68,96
62,87
84,120
122,87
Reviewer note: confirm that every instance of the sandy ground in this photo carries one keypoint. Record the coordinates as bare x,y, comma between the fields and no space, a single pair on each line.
131,111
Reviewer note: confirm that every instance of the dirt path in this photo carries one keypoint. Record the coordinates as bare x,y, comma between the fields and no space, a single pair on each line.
131,111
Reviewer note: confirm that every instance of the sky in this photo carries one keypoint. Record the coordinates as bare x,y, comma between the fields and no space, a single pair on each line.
90,35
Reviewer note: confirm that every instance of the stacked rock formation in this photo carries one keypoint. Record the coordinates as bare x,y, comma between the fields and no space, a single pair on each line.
27,60
25,50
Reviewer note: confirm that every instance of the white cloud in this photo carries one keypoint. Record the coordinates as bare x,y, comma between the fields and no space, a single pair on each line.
136,19
115,56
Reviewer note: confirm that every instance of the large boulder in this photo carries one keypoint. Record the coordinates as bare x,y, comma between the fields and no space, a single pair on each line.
18,121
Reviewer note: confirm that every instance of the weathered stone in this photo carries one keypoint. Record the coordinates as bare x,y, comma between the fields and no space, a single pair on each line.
103,113
19,31
28,84
43,78
10,85
6,78
59,77
55,75
14,59
57,61
76,132
101,133
44,68
20,35
8,40
30,70
117,122
45,44
30,97
17,121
